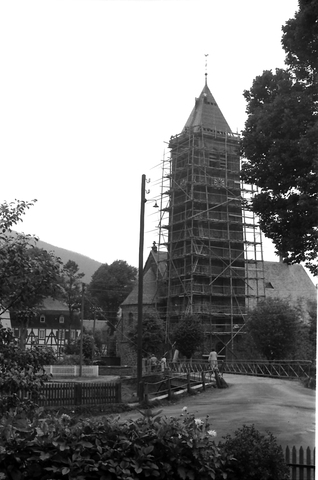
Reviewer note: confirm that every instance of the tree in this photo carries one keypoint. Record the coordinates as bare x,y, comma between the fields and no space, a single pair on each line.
21,370
307,336
110,286
300,42
89,347
71,288
37,277
11,213
27,274
280,143
188,335
152,335
273,325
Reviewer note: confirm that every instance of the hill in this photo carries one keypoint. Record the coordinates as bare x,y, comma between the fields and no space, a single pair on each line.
86,265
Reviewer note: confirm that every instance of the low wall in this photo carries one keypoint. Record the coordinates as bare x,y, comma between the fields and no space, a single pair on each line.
121,371
71,370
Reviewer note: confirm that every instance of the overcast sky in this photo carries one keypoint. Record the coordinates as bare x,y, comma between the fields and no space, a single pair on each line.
91,91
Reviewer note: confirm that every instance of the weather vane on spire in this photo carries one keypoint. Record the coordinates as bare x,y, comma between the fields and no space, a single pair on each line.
206,68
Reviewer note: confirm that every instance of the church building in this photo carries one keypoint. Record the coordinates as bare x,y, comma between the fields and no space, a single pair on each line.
208,261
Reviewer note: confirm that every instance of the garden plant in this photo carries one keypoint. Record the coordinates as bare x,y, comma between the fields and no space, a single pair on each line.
43,446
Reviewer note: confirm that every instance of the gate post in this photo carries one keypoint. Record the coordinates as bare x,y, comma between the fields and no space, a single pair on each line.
146,396
141,391
203,380
169,388
188,382
78,393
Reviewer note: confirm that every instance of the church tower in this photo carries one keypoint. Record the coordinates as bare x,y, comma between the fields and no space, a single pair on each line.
204,225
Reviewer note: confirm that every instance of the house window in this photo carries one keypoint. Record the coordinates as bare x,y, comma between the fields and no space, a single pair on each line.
61,334
130,318
72,334
16,332
42,334
61,319
42,318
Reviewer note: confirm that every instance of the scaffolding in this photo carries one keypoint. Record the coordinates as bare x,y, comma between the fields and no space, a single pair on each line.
214,261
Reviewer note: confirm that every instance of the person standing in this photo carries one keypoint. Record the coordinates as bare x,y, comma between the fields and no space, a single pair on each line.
163,363
153,362
213,359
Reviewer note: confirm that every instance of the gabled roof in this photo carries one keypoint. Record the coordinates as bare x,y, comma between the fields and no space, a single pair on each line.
207,114
288,282
156,259
149,290
155,263
281,280
50,304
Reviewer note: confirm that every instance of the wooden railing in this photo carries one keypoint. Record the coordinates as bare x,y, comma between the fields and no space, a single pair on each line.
278,369
73,393
170,383
301,463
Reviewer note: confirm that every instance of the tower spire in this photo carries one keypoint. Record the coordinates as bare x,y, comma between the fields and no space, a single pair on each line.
206,68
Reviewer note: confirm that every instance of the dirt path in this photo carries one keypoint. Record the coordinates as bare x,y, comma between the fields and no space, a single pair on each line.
284,407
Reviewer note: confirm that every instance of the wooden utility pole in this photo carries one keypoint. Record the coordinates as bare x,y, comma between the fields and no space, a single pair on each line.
140,287
94,328
82,328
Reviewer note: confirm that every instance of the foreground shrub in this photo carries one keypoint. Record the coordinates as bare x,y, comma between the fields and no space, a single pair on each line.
257,456
151,447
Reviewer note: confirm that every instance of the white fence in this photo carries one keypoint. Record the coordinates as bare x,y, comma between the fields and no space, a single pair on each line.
72,370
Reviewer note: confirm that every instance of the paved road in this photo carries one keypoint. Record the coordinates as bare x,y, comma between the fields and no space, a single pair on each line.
284,407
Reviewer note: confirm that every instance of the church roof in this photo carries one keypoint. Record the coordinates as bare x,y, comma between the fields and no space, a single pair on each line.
288,282
155,261
207,114
150,290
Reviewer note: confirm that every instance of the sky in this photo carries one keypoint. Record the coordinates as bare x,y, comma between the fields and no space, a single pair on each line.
92,90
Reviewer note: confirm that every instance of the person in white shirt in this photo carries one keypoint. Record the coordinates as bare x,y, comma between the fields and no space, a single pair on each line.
213,359
153,362
163,363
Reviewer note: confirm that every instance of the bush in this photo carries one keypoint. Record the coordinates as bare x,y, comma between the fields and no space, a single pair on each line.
69,360
257,456
150,447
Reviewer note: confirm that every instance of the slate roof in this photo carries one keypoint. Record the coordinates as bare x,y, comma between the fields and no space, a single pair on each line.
149,290
207,114
282,281
288,282
52,305
156,261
